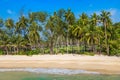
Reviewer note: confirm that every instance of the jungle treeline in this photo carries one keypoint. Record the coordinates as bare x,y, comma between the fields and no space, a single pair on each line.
60,32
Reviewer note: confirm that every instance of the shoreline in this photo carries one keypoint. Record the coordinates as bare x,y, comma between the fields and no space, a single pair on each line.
100,64
50,71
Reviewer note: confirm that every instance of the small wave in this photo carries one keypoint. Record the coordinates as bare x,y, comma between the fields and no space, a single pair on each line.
51,71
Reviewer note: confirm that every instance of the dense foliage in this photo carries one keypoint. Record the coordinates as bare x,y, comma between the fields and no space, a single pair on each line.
60,32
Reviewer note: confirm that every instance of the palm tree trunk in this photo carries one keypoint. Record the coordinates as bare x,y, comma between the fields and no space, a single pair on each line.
93,46
17,50
57,45
99,46
51,50
7,51
108,50
78,46
106,43
14,50
72,46
67,43
51,47
84,46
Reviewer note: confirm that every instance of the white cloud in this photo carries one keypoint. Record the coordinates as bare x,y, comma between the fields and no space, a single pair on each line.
112,11
115,14
10,11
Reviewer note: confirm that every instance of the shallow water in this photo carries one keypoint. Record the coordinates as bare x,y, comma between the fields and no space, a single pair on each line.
21,74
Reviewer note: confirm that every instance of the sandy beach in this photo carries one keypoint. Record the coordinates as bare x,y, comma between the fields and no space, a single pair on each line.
102,64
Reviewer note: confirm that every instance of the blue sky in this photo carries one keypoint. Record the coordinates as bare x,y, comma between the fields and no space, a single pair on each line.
11,8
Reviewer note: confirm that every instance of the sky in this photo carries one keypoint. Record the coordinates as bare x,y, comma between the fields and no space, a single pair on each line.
12,8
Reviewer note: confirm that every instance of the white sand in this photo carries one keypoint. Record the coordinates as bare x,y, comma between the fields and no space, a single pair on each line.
102,64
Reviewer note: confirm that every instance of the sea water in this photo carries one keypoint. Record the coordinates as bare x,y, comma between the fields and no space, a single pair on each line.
53,74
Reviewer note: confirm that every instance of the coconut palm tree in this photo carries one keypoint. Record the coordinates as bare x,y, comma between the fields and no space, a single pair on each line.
9,23
50,28
77,32
1,22
21,25
53,28
91,33
33,34
5,42
70,20
83,21
105,19
1,25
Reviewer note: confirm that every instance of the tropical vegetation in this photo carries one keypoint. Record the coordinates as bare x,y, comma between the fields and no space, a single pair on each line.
60,32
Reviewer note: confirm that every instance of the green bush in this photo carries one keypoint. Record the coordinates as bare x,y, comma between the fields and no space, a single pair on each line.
32,52
62,51
89,53
1,52
47,51
115,52
21,53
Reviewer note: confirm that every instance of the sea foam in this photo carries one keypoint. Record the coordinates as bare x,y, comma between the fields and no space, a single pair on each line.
51,71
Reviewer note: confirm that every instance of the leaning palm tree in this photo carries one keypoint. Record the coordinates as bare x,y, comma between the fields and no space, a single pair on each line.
105,19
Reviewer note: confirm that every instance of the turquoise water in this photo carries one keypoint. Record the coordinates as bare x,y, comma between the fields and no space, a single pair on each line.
16,75
53,74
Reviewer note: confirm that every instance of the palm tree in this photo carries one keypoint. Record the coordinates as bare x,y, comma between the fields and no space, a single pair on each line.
33,34
91,33
1,25
37,19
59,23
54,29
61,31
105,19
99,34
5,42
83,21
21,25
41,16
70,20
77,32
9,23
50,28
32,17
